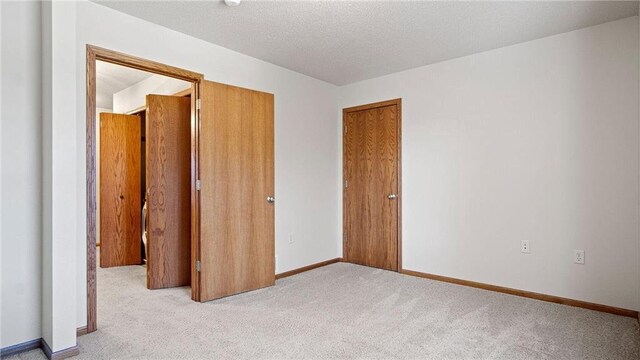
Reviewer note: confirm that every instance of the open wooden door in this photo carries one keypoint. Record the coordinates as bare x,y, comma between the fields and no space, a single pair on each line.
120,181
168,176
237,247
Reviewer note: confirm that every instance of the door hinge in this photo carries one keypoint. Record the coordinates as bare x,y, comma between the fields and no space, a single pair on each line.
346,184
198,185
345,129
197,104
198,265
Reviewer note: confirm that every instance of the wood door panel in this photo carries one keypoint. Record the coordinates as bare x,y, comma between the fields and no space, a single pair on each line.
371,159
120,181
237,246
168,175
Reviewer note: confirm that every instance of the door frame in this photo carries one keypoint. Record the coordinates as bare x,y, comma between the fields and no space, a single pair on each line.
94,53
398,103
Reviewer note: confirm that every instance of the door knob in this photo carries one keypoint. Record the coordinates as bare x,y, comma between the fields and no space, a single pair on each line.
392,196
271,199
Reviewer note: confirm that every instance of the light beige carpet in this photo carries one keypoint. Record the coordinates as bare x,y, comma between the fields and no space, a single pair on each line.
345,311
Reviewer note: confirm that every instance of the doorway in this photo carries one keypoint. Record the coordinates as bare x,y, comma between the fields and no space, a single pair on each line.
372,185
133,121
230,183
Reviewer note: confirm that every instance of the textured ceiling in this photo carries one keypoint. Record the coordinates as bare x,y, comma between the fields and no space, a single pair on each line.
112,78
347,41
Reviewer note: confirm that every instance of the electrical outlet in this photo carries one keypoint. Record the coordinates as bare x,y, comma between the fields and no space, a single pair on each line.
578,256
524,246
291,239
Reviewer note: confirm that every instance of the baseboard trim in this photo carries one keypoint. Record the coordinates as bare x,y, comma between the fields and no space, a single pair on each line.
527,294
39,344
18,348
307,268
59,355
81,331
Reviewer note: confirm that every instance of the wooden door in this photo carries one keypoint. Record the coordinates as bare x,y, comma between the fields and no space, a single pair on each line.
120,181
237,233
371,185
168,176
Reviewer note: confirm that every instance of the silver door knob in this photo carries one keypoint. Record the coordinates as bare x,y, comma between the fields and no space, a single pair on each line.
271,199
392,196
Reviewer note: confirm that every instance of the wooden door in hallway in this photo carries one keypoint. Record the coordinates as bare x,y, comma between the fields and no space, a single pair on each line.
371,187
120,182
236,160
168,176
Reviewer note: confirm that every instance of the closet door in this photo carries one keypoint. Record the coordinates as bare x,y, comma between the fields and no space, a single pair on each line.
168,175
371,206
237,175
120,182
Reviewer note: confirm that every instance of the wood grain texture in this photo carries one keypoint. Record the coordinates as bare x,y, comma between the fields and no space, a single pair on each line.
81,331
237,245
195,196
380,104
371,173
168,169
307,268
135,62
185,92
120,182
399,180
143,108
91,201
527,294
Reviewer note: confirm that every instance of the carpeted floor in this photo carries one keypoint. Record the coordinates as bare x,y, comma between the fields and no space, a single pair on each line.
345,311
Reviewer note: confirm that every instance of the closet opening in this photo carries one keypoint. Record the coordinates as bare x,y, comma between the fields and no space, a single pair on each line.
144,175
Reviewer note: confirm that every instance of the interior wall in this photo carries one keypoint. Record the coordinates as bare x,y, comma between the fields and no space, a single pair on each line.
20,180
306,147
134,97
536,141
101,110
60,185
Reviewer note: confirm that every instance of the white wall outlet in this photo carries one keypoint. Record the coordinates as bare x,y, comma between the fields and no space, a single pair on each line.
578,256
291,239
525,247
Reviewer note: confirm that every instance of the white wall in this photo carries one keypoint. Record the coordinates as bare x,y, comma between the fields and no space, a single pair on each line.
306,147
536,141
134,97
20,164
101,110
59,178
